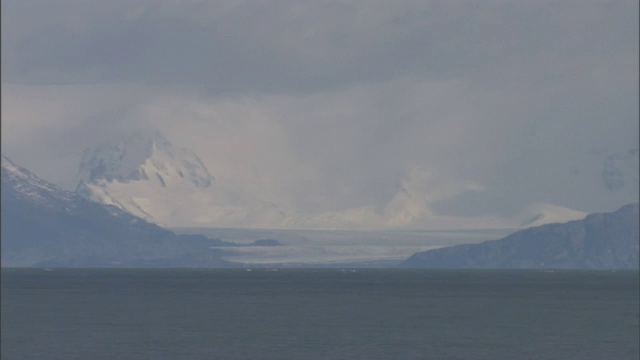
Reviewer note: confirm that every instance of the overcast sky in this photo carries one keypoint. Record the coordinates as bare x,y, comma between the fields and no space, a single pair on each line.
481,107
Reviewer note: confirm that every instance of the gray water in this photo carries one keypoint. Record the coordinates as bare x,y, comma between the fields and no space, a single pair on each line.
318,314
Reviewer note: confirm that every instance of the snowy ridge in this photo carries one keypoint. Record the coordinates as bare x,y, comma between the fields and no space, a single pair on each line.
30,186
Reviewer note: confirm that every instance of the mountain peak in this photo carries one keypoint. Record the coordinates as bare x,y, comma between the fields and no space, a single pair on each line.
140,170
143,156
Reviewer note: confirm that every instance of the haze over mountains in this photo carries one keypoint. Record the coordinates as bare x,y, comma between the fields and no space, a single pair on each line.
147,176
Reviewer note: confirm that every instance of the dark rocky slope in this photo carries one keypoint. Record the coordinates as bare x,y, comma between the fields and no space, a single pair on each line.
600,241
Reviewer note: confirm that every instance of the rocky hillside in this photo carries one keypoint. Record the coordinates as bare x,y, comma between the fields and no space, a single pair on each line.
600,241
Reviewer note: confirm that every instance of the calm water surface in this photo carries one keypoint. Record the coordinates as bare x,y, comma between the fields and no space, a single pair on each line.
319,314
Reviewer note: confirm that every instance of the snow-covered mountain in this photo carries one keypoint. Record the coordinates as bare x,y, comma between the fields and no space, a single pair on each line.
147,176
144,156
44,225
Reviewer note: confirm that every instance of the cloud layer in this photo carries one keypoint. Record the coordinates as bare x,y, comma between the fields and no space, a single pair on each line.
328,106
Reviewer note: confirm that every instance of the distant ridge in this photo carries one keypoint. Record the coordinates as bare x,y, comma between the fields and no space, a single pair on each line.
600,241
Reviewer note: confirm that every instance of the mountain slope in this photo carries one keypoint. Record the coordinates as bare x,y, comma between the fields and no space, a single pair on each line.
43,225
600,241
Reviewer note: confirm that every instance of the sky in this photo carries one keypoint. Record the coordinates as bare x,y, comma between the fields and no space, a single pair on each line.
472,107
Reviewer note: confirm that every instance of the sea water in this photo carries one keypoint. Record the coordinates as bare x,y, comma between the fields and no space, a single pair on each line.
318,314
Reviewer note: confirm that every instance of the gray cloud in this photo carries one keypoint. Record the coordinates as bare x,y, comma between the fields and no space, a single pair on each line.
327,105
237,47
